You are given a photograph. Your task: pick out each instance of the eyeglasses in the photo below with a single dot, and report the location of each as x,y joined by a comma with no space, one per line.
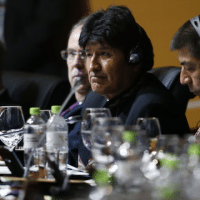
71,54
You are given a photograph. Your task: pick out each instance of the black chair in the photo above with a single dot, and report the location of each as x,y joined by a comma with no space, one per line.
170,76
36,90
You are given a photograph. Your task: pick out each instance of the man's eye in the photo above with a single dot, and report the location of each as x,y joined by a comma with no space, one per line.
71,53
88,54
190,69
104,54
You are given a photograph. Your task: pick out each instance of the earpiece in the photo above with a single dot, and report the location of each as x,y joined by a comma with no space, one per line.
196,24
135,56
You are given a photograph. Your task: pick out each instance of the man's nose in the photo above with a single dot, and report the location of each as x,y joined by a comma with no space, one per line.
94,64
184,77
79,62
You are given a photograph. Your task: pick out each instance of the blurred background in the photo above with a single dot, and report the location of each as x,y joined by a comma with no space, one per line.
161,19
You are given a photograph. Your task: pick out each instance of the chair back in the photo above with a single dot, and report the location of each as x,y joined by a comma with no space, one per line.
169,76
35,90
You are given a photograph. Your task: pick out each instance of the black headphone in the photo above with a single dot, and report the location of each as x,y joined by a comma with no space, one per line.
196,24
135,55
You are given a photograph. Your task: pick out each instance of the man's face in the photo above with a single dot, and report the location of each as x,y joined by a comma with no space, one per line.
108,72
75,62
190,71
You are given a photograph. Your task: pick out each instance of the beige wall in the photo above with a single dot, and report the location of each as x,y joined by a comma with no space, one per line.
161,19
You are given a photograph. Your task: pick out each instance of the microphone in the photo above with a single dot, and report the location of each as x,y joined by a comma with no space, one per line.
78,82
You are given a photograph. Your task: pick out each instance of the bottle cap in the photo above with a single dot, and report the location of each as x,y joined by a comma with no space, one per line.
129,136
103,177
55,109
170,161
34,111
194,149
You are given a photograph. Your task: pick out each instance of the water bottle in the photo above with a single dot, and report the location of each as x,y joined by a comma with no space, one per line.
57,140
168,184
34,128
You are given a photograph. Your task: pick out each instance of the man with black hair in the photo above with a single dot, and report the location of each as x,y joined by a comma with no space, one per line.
187,42
118,55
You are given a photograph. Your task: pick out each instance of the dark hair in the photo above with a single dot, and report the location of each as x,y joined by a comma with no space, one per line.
187,37
117,27
147,50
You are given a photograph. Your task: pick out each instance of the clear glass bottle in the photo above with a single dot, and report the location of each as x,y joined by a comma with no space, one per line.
57,139
168,184
34,128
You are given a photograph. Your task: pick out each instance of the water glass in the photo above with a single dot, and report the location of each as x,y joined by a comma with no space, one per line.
11,125
106,139
129,157
86,127
87,122
151,125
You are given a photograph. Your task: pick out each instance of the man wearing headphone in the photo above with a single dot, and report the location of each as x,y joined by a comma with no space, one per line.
118,55
187,42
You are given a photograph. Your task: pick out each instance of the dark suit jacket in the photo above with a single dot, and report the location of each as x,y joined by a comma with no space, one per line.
150,99
73,136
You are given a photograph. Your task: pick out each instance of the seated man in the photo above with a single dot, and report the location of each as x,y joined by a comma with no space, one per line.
187,42
74,57
118,56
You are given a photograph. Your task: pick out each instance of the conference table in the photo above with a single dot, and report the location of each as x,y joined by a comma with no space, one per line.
79,188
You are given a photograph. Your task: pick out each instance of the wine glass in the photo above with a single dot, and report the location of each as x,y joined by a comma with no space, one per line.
86,125
151,125
129,158
11,125
106,138
97,110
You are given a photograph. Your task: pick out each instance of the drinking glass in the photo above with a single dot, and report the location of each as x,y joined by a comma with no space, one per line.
170,144
87,122
11,125
97,110
106,139
151,125
86,127
129,157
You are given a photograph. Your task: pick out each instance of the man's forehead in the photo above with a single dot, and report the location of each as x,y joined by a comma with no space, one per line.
73,41
184,55
97,45
186,59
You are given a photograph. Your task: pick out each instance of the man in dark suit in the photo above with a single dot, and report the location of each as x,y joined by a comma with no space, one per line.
75,60
118,55
186,42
